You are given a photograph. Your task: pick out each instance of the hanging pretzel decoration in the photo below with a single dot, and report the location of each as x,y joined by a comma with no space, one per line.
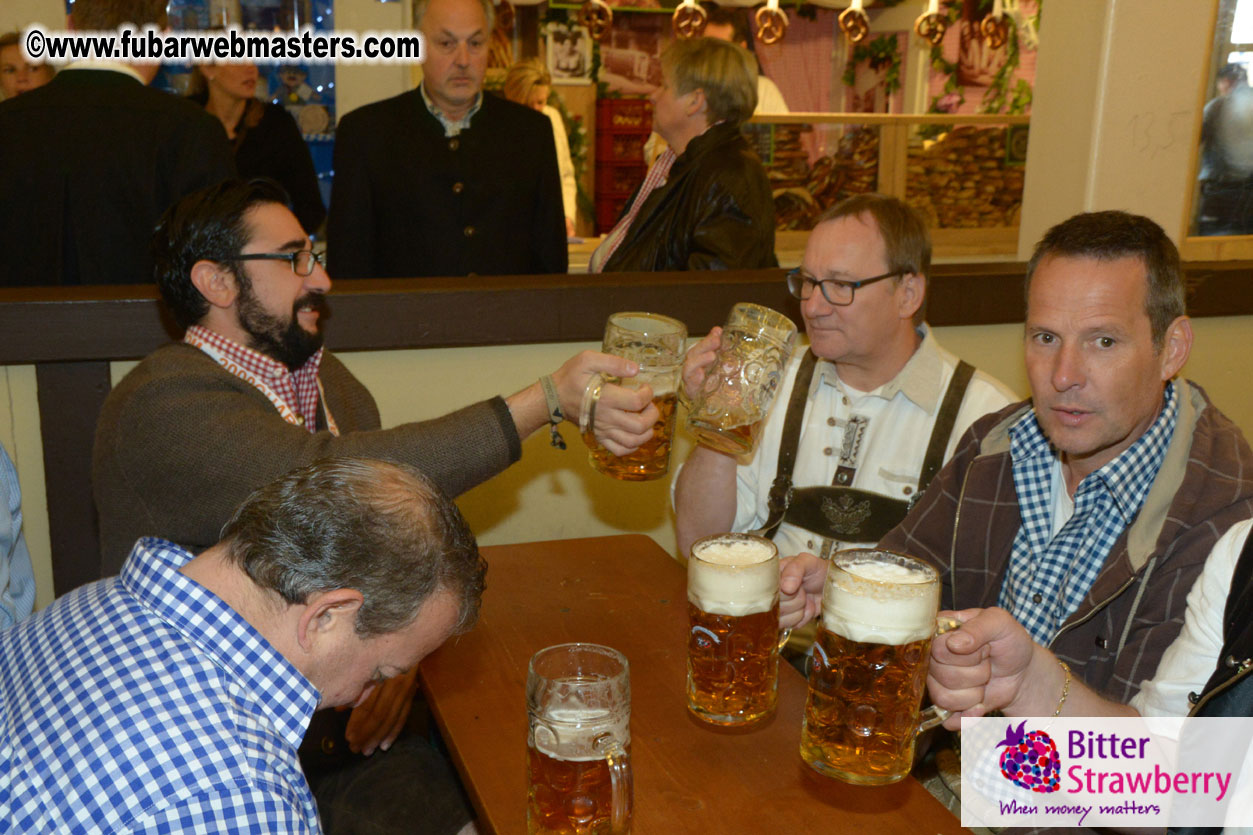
995,27
771,22
854,23
504,15
596,17
689,20
931,25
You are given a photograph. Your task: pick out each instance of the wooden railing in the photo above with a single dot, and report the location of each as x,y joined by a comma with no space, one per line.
71,335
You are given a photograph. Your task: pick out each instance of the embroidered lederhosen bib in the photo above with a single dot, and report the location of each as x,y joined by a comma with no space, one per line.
840,512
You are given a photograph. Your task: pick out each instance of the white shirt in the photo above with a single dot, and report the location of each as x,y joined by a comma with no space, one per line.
1189,662
565,166
769,99
895,422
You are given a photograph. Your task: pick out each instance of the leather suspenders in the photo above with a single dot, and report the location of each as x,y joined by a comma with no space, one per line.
846,513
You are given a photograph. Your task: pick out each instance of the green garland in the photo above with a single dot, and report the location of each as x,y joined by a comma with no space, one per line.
998,98
882,52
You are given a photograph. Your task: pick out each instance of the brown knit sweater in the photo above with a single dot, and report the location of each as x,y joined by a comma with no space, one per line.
966,522
181,442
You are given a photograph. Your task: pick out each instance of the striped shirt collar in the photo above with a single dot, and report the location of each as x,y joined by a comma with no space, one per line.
298,389
283,694
451,127
656,177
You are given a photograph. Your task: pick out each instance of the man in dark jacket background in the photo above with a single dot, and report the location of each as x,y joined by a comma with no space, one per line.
89,161
444,180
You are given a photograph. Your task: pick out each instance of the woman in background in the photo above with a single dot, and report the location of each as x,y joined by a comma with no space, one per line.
528,83
16,74
266,140
706,203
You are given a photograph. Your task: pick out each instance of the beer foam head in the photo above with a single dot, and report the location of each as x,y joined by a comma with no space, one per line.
880,598
733,574
570,733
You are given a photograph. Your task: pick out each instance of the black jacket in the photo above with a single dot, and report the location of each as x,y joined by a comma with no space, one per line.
408,201
273,147
88,163
715,212
1229,692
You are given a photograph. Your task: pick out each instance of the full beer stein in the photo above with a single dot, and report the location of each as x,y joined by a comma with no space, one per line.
733,645
727,413
578,699
869,667
656,343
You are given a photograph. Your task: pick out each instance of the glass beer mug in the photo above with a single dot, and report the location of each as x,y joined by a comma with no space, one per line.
726,414
734,641
869,667
656,343
578,700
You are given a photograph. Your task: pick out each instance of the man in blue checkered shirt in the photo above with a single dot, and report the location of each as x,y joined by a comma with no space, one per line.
1087,512
172,698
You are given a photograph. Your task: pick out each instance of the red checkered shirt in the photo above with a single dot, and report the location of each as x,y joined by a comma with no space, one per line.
654,179
298,389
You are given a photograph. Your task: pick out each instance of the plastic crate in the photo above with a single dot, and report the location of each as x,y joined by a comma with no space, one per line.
612,146
619,179
608,209
617,115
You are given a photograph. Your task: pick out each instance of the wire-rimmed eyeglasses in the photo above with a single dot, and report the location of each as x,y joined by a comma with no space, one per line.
301,261
840,293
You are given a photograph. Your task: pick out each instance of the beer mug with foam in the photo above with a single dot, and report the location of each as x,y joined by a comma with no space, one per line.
734,641
869,667
656,343
578,699
727,413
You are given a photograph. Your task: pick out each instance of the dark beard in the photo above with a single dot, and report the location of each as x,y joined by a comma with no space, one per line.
288,343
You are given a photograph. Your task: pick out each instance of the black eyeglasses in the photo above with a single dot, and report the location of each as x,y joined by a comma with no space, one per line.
840,293
301,262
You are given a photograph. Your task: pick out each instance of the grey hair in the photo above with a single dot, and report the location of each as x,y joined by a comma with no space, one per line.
419,12
380,528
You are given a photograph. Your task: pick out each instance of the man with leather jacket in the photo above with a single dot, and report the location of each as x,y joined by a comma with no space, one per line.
706,203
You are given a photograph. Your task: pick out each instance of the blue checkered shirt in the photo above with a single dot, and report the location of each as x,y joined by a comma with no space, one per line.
143,703
1049,576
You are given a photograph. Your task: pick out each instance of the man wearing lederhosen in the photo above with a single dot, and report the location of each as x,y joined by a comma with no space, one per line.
864,417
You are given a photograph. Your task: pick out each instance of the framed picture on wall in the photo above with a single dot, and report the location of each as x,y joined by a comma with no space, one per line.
569,50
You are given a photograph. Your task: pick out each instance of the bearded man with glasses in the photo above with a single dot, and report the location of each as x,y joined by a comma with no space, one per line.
249,394
864,417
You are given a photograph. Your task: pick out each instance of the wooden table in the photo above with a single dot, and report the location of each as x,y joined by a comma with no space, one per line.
627,593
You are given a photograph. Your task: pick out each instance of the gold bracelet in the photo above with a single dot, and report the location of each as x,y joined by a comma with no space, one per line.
1065,688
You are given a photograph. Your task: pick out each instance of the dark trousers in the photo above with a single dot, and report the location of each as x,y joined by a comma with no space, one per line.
411,788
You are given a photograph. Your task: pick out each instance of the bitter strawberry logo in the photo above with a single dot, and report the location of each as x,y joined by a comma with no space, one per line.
1030,759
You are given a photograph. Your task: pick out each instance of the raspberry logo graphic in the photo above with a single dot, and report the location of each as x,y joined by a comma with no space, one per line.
1030,759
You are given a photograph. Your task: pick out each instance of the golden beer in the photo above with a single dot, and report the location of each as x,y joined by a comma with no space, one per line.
650,461
578,700
732,665
737,391
569,797
862,712
733,440
869,666
733,639
655,342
